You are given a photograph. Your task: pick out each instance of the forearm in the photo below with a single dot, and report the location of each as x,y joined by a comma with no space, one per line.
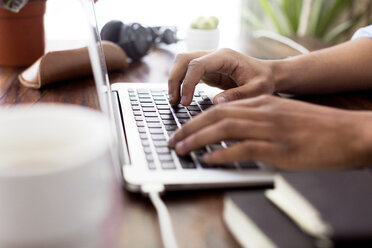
346,67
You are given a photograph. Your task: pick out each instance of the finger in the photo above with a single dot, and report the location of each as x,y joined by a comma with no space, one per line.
177,74
214,115
218,79
222,60
256,150
254,102
247,90
233,129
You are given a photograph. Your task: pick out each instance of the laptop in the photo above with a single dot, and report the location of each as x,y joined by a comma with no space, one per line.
143,120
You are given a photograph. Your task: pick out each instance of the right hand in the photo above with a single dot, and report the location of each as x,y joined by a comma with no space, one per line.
239,75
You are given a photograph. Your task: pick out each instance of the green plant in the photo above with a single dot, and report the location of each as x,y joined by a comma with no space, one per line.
205,23
323,19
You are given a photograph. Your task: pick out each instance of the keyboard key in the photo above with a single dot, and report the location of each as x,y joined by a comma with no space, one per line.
163,150
156,130
165,103
149,109
171,127
170,133
167,117
140,123
144,97
149,158
138,118
231,142
167,112
142,130
183,121
136,108
204,97
179,106
200,151
160,143
162,107
186,162
158,137
145,100
151,165
194,113
145,142
183,115
216,146
182,110
134,103
205,107
130,90
205,102
159,98
248,165
143,136
133,98
157,94
147,150
137,113
165,157
154,125
168,166
193,108
147,105
169,122
150,114
152,119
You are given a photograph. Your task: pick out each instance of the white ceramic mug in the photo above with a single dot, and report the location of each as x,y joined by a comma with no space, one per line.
56,177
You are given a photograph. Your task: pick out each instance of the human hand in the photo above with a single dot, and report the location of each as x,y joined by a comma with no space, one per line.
239,75
286,133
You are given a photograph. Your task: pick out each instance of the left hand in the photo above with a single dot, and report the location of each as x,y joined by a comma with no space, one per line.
286,133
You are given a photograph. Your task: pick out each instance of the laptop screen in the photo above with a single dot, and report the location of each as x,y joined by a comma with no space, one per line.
97,59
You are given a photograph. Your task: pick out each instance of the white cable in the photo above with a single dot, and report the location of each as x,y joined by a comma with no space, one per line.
167,233
281,39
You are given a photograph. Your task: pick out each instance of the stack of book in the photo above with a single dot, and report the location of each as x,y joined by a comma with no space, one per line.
305,209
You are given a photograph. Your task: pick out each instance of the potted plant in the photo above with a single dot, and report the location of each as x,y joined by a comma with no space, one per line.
326,20
22,39
203,34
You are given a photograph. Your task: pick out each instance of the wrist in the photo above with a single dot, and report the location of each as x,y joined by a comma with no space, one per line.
363,143
278,74
281,74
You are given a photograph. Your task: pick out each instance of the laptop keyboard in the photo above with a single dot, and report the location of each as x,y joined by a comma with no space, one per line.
156,121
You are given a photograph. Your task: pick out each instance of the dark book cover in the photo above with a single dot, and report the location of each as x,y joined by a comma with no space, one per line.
343,199
271,221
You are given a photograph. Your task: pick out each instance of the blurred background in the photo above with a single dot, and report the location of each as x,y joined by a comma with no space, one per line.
319,23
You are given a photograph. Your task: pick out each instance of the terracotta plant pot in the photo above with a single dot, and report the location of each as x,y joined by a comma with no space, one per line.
22,36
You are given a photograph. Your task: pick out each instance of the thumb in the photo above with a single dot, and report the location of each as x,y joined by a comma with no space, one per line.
237,93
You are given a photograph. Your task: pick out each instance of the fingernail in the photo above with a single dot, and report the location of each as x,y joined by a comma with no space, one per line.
180,147
171,141
207,157
170,97
221,99
183,100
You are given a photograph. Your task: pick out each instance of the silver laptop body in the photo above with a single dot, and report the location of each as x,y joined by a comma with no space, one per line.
141,151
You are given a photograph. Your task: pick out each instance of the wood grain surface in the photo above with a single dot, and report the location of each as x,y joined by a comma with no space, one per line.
196,215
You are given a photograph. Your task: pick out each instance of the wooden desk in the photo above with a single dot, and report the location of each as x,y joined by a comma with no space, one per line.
197,216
